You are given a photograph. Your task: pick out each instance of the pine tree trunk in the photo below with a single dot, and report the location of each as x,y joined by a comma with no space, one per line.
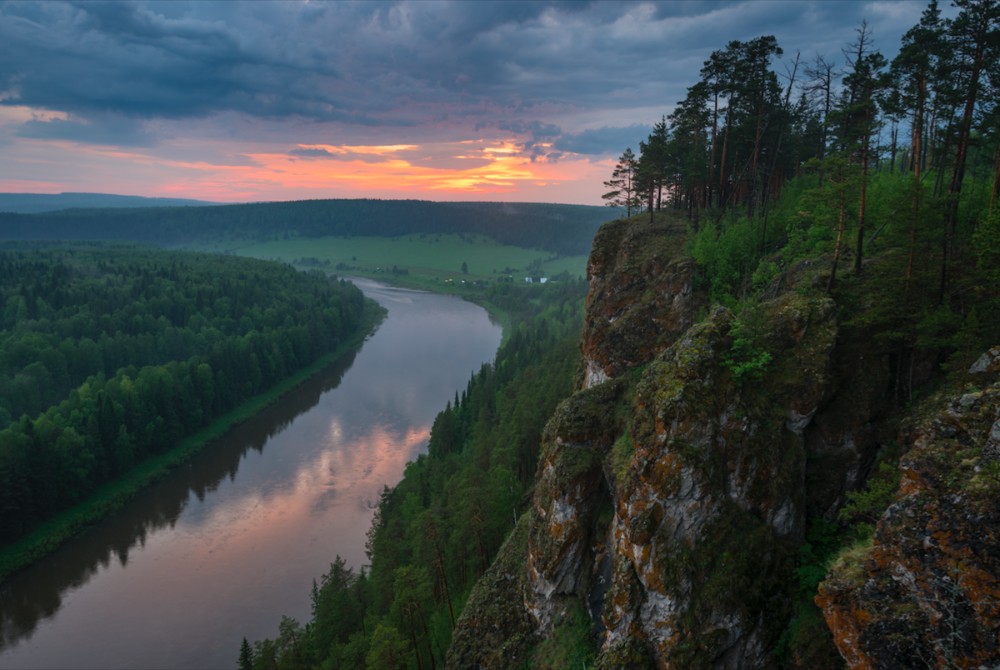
917,161
837,244
723,194
863,201
711,162
958,169
754,159
996,179
892,148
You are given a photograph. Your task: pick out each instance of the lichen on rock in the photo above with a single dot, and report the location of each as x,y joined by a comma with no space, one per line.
926,592
641,296
715,509
672,490
495,631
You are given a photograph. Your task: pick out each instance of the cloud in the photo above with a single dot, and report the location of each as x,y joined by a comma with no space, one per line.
604,141
537,137
550,81
397,64
311,153
104,130
537,130
93,58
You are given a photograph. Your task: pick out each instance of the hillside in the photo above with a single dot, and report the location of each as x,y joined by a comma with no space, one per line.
559,229
688,496
31,203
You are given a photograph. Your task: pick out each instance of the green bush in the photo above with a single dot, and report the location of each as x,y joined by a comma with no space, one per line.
747,358
865,506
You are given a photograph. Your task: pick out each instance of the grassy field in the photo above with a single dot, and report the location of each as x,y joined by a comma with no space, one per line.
424,257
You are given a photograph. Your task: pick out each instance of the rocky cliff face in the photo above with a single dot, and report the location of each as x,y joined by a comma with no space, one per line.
641,296
673,486
711,510
925,592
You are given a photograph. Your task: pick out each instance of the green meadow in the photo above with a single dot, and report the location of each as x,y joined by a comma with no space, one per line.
418,258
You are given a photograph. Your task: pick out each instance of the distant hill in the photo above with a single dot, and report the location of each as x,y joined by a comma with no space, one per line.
560,229
27,203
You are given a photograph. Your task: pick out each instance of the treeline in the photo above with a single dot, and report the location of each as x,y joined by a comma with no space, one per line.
49,202
561,229
438,530
929,120
110,354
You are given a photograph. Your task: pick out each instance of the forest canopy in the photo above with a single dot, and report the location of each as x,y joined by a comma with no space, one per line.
110,354
561,229
918,128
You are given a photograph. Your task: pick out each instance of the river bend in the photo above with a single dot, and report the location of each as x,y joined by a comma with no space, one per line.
226,545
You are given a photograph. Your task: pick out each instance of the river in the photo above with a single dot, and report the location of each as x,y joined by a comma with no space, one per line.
226,545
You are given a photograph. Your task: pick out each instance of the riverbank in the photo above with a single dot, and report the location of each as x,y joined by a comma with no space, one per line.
112,497
471,292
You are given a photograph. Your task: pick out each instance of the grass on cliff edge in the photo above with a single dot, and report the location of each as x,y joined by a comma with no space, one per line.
110,498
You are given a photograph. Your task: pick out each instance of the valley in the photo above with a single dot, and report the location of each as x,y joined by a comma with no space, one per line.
419,260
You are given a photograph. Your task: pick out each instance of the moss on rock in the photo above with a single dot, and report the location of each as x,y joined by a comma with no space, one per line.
495,630
925,592
642,295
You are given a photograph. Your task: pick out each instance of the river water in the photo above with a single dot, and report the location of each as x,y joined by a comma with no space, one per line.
226,545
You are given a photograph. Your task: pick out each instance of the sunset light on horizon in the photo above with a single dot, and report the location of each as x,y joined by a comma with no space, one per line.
236,102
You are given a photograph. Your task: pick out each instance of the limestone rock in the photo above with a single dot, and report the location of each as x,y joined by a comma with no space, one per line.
926,593
568,490
673,487
707,527
641,296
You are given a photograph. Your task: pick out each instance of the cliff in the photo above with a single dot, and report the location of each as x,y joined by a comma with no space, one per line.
925,591
674,487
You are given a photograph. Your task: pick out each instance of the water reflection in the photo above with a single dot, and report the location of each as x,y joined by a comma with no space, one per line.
37,593
227,544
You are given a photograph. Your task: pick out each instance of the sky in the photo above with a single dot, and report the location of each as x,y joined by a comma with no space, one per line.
263,101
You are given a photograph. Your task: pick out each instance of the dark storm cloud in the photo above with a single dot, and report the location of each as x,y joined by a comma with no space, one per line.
97,57
120,131
537,130
603,141
551,141
415,65
538,136
126,58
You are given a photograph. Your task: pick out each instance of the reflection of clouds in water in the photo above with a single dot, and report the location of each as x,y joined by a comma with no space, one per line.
325,500
413,369
381,456
335,433
241,550
265,515
338,480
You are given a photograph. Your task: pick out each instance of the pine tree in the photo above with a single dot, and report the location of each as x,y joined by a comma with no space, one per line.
653,164
622,184
974,38
912,73
246,656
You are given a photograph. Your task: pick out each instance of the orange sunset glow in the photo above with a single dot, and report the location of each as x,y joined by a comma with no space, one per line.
441,101
462,170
